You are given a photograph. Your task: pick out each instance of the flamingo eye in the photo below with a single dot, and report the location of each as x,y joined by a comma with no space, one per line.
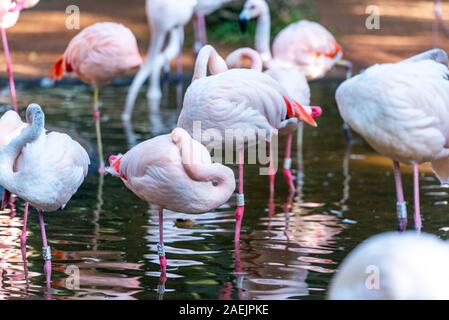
215,183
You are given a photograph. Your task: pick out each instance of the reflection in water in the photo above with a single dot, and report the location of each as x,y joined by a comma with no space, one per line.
108,235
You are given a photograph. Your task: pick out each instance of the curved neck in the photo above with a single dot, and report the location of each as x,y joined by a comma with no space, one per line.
9,154
196,168
263,31
236,58
208,58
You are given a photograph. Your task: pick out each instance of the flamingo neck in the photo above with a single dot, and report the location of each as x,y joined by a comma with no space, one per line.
9,154
263,31
208,59
236,59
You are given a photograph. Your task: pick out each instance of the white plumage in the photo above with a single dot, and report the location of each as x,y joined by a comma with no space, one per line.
401,110
394,266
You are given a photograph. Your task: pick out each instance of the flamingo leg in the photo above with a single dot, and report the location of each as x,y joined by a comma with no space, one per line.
401,206
161,253
46,250
288,163
240,199
200,32
417,216
9,69
97,116
23,236
272,170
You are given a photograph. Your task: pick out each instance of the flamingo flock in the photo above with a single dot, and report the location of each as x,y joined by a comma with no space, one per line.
399,108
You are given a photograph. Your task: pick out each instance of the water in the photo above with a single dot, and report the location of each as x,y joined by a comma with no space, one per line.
291,245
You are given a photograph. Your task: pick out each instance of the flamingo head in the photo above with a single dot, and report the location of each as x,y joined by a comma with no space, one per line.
251,10
114,170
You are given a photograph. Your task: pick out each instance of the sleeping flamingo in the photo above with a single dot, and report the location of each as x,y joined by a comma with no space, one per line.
203,9
304,45
295,83
392,266
9,14
176,173
166,18
45,170
97,55
235,106
401,111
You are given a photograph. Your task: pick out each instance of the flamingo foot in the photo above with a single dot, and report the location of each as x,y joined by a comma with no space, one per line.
289,177
102,169
96,115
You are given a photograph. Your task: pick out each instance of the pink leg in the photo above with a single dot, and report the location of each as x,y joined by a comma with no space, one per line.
417,217
202,29
161,253
288,163
23,236
179,73
240,198
272,171
8,200
9,70
401,206
46,250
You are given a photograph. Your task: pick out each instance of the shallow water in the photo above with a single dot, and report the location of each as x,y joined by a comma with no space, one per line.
291,245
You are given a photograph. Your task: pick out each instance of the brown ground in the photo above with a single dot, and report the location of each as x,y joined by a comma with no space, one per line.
406,28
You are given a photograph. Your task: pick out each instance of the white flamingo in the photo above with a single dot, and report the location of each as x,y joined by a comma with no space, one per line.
166,18
401,111
394,266
45,170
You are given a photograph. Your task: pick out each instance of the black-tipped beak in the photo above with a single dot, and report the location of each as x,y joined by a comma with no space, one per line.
243,22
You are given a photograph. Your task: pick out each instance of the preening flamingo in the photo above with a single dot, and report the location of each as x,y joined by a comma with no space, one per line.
166,18
97,55
203,9
235,106
401,111
394,266
174,172
45,170
297,87
304,45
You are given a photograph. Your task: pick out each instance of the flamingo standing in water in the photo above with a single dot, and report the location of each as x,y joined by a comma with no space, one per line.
203,9
166,18
45,170
393,266
401,111
304,45
295,83
244,102
97,55
174,172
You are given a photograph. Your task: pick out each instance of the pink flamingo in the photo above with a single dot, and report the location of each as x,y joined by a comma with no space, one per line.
203,9
97,55
174,172
243,102
400,109
304,45
166,19
45,170
295,83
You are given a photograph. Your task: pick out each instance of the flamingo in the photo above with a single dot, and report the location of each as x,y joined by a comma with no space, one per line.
304,45
439,20
242,102
45,170
97,55
295,83
166,18
203,9
392,266
400,110
174,172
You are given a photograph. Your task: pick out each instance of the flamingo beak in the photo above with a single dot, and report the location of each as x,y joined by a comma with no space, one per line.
303,115
243,22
